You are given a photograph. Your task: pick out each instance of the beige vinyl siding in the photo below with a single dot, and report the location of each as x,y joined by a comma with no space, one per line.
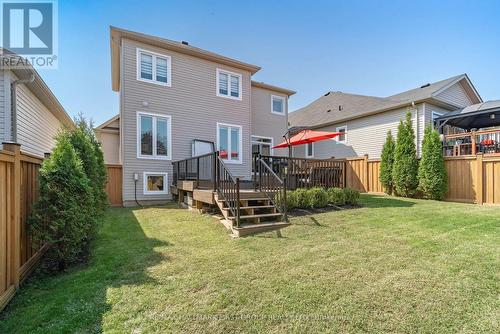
455,95
264,122
36,125
193,105
429,109
365,135
110,144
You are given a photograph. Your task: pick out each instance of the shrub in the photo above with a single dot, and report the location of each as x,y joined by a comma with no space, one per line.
89,151
387,162
405,169
317,198
291,200
351,196
336,196
432,172
62,216
302,198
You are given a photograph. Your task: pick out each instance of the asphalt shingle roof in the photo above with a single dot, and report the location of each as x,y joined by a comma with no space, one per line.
337,106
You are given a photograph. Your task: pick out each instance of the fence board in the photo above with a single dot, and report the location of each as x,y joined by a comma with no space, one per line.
18,192
114,185
355,173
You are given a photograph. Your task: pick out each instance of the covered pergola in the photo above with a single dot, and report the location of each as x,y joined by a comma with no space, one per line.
479,123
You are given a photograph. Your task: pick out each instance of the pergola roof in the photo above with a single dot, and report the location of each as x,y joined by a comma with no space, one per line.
476,116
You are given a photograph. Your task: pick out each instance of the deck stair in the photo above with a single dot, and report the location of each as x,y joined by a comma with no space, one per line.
257,214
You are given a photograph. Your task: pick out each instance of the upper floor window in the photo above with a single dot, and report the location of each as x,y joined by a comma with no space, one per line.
229,142
277,105
153,67
343,137
154,136
228,84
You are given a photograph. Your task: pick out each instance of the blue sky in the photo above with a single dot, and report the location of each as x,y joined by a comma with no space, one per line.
367,47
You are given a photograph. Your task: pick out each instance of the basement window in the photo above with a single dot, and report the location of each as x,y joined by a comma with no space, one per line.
155,183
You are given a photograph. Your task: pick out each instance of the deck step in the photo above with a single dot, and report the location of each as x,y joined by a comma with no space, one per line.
252,207
246,229
262,215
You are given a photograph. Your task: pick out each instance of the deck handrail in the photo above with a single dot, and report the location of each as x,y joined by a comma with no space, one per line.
471,143
228,188
273,187
304,172
196,169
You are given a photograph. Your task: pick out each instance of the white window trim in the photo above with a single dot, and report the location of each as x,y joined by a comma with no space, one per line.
310,155
240,88
154,55
169,129
239,161
145,183
345,134
283,105
263,137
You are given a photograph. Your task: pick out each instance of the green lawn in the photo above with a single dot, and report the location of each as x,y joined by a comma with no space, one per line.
395,265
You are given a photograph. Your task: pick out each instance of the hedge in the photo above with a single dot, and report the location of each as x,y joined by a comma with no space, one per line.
315,198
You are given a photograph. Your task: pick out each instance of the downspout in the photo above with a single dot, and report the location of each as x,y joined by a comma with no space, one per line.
13,92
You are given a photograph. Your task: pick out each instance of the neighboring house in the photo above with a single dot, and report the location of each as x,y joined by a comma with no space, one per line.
366,119
174,96
108,135
35,117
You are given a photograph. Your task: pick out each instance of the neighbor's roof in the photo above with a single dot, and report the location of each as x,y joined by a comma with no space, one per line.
273,88
107,123
116,34
475,116
325,110
41,91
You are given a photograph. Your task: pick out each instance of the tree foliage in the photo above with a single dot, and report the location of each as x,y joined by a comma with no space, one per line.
405,169
61,216
432,174
387,163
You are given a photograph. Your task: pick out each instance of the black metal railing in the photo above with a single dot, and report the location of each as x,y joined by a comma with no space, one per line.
272,186
304,173
200,169
228,189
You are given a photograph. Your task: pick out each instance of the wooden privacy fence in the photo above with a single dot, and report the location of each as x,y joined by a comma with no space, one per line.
471,179
18,192
114,185
363,174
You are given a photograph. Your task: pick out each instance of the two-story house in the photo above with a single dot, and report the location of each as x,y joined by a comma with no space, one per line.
177,101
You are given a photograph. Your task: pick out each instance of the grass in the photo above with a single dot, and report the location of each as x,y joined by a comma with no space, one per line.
398,265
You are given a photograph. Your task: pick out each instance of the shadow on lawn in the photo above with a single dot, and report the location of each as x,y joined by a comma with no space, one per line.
78,299
382,201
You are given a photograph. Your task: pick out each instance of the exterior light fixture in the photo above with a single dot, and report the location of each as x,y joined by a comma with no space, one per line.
492,116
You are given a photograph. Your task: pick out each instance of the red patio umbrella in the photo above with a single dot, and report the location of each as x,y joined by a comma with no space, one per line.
308,136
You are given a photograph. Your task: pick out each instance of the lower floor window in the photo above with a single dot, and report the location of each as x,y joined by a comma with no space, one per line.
155,183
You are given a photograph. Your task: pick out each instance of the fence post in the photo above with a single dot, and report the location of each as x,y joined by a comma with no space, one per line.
480,178
365,176
15,211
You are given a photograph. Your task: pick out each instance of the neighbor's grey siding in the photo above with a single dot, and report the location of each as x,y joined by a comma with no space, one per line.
365,135
36,125
429,109
264,122
191,102
455,95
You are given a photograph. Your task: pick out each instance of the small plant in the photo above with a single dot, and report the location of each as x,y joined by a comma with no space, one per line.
291,200
302,198
432,171
317,198
387,163
351,196
336,196
405,169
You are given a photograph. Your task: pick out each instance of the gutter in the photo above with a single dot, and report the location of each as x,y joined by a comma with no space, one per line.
13,92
